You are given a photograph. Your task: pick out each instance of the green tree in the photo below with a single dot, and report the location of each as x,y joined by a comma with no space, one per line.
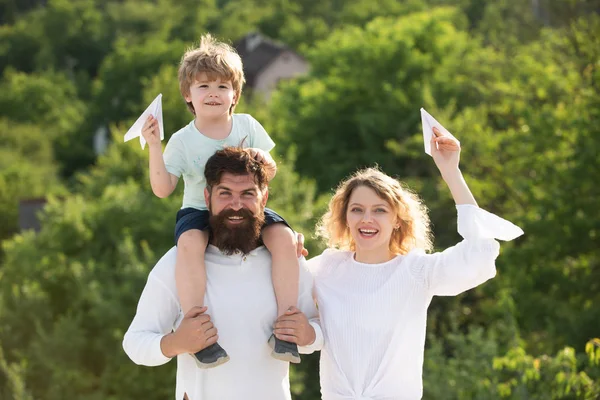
27,170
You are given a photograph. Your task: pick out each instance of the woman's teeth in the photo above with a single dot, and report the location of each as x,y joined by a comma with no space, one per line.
368,232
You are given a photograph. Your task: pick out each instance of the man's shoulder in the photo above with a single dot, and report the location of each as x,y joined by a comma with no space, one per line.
329,259
164,270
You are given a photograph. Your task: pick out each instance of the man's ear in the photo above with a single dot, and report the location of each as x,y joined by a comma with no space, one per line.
206,196
265,196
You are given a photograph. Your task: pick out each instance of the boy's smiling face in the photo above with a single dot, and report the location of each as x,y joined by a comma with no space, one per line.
211,98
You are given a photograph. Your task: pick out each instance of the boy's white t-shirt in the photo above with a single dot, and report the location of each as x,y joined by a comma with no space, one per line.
188,150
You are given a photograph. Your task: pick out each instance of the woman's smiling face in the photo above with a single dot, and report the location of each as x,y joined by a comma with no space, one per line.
371,221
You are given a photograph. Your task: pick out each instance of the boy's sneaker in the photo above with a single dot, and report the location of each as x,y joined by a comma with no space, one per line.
211,356
284,351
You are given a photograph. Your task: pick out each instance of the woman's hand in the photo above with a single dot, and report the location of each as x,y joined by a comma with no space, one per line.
445,151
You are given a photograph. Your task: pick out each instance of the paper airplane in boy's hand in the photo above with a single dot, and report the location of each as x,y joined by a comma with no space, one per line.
428,123
154,109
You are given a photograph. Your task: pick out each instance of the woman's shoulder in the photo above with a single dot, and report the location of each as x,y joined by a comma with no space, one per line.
329,259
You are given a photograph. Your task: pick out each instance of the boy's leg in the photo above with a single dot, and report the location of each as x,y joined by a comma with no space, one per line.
280,240
190,271
190,279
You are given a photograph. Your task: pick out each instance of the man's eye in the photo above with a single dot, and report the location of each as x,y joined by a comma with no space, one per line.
224,194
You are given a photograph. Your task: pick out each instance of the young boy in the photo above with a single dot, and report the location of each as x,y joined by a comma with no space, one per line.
210,80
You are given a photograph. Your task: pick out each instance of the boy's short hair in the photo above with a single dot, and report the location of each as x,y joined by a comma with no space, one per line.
217,60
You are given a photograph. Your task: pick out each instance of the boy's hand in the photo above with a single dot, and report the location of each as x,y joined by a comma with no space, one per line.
151,131
300,250
258,154
265,158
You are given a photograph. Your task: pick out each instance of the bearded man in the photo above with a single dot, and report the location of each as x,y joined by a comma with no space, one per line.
239,298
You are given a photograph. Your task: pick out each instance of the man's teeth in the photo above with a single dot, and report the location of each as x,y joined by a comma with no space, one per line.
236,217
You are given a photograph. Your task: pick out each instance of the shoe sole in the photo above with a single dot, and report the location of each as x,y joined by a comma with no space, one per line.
289,357
220,361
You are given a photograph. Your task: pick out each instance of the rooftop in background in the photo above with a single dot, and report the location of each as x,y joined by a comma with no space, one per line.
28,213
266,62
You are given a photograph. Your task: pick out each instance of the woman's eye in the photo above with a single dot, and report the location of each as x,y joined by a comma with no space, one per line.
355,209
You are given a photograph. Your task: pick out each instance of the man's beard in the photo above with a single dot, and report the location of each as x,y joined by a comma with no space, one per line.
230,238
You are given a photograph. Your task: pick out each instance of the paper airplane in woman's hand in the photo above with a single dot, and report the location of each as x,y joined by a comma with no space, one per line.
428,123
154,109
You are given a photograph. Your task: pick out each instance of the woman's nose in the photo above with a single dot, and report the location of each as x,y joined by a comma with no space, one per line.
367,216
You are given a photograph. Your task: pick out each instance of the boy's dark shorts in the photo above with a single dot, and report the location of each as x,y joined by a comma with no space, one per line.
192,218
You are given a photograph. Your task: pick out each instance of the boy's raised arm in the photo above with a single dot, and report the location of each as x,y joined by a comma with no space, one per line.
163,183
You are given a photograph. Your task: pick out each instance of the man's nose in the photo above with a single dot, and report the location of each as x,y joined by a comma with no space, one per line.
236,203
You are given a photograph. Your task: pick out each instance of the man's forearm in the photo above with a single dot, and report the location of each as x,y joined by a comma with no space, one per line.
168,345
160,178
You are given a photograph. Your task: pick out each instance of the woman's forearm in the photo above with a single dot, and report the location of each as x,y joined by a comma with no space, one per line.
458,187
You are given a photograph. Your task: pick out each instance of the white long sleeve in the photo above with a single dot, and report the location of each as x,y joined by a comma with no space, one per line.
242,306
151,322
472,261
373,316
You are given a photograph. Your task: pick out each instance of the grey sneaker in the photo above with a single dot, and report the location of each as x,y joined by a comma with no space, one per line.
212,356
284,351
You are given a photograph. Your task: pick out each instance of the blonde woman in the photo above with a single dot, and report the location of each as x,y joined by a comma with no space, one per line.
374,285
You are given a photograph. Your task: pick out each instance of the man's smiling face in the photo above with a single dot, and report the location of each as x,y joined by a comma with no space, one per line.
236,205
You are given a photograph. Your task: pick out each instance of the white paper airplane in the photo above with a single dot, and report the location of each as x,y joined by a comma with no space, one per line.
154,109
428,123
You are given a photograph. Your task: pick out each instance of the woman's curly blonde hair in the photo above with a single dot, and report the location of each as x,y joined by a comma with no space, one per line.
411,214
